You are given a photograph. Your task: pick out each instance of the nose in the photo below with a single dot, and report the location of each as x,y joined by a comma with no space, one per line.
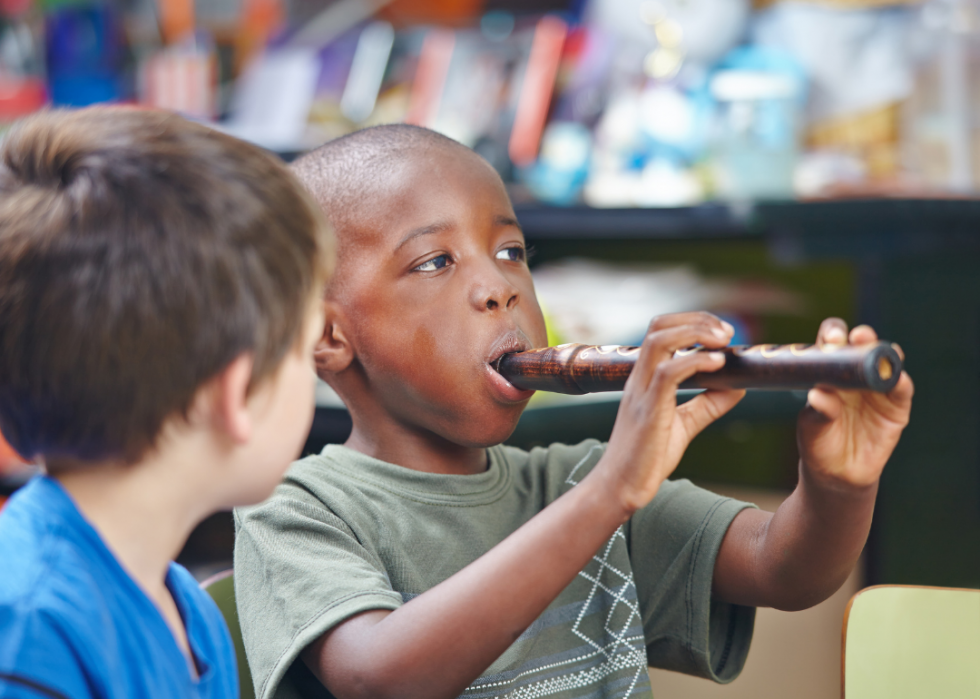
492,291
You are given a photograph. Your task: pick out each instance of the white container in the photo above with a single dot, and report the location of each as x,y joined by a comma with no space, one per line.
755,142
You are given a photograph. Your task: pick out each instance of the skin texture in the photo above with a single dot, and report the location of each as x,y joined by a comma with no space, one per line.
426,294
232,450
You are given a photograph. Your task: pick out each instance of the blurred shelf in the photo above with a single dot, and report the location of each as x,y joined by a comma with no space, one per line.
793,230
871,228
708,221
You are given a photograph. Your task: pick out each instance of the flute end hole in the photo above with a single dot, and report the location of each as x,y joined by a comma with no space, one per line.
885,369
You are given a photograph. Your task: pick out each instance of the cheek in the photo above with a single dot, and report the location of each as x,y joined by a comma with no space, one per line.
423,358
300,403
535,327
423,343
425,353
446,363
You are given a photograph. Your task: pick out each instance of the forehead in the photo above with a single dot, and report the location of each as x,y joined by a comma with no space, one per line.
427,186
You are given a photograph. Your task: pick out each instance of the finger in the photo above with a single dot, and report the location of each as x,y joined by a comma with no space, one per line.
702,410
902,394
827,403
898,348
670,373
862,335
833,331
672,320
660,345
894,406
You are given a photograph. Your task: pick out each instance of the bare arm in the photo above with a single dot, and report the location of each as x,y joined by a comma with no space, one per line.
438,643
802,554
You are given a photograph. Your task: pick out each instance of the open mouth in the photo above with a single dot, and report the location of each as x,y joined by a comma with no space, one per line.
509,344
495,364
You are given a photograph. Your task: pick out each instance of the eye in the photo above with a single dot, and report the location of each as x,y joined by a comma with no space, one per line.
513,254
433,265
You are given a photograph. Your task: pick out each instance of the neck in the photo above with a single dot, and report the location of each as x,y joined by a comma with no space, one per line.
414,448
143,512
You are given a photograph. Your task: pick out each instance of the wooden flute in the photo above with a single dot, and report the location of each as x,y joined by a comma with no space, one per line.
577,369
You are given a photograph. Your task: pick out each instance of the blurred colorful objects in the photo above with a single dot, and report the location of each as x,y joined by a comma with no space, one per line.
85,54
760,95
176,19
610,103
9,459
22,88
13,470
604,303
260,21
537,87
182,79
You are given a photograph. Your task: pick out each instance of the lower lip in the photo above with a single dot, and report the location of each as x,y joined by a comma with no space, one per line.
504,389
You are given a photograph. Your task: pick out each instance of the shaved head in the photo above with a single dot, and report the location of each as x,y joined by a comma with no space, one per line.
344,173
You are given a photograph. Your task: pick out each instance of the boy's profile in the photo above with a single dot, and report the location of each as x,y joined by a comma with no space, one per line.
424,559
159,300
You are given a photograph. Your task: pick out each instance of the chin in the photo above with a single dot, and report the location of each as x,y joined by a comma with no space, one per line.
249,496
252,487
487,433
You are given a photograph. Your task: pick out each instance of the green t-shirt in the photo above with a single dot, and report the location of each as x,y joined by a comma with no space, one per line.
345,533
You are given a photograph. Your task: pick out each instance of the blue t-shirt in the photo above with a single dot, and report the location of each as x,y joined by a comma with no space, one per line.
74,624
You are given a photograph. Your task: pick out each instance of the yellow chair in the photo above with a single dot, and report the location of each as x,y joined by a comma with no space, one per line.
909,642
221,587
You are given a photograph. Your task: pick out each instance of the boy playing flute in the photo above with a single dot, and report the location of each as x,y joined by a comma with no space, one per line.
424,559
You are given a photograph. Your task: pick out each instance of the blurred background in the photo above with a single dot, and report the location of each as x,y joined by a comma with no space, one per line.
610,103
773,161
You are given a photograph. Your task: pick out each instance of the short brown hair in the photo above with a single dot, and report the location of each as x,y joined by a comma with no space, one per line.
139,254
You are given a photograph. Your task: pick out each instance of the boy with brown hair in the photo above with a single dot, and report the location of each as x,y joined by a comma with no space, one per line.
159,301
424,559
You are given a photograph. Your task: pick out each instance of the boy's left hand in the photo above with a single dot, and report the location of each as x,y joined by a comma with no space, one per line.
800,555
845,437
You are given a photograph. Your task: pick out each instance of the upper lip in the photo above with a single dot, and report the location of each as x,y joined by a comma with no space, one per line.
512,341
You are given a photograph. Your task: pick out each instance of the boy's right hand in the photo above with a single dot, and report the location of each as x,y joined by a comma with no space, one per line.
651,430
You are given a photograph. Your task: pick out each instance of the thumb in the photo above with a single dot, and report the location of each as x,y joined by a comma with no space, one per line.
701,411
827,404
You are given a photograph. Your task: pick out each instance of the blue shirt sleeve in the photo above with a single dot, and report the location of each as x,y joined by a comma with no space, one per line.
38,660
13,686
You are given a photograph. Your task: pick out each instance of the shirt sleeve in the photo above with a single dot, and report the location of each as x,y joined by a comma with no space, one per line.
16,686
673,543
38,659
299,571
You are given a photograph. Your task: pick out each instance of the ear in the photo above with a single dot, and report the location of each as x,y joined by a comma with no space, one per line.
333,352
230,398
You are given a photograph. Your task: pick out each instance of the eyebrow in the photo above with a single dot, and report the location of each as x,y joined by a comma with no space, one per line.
445,226
424,230
508,221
